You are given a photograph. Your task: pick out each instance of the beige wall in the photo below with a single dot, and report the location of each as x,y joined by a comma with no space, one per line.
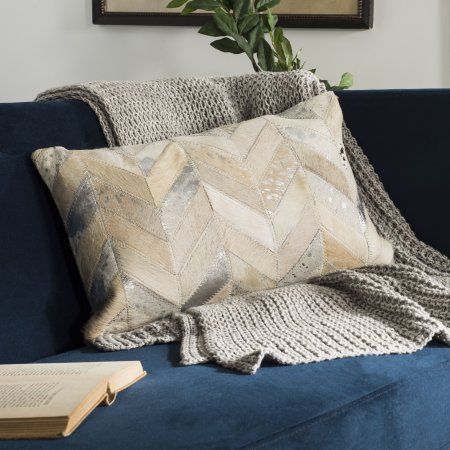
45,43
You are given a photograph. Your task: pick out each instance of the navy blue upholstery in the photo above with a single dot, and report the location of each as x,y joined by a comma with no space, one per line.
42,302
394,402
406,135
386,402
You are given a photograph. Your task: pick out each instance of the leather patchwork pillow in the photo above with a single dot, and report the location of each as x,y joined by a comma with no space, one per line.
159,228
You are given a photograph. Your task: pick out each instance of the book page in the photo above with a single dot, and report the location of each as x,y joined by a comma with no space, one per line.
34,399
118,374
27,395
61,370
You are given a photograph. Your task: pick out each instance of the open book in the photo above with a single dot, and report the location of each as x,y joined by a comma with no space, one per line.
51,400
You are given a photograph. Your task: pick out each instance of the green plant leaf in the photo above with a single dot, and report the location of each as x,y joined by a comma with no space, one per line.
247,23
296,64
237,7
176,3
327,84
225,22
205,5
272,20
346,81
278,67
278,37
269,27
255,36
227,45
265,56
287,51
211,29
228,4
278,34
241,8
242,42
263,5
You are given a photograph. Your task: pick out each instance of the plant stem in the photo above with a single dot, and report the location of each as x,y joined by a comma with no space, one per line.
256,68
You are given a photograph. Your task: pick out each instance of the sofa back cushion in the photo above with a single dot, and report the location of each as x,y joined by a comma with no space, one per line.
405,135
42,302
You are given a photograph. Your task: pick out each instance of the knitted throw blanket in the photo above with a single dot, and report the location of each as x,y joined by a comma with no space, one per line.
368,311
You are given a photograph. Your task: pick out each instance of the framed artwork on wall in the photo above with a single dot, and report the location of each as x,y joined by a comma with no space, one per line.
292,13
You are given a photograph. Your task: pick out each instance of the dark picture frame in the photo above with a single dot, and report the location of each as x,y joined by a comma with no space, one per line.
362,20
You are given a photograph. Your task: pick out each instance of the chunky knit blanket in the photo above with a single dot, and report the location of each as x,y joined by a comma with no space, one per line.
368,311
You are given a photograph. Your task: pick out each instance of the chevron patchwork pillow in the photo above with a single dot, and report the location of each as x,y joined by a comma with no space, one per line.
159,228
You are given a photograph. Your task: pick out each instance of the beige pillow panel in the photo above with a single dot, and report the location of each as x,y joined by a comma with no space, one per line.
159,228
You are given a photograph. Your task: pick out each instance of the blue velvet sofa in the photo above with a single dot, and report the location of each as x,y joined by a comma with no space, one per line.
385,402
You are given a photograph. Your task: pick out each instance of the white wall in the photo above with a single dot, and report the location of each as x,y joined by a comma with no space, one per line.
46,43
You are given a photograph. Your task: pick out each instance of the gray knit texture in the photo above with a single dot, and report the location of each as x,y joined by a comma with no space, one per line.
369,311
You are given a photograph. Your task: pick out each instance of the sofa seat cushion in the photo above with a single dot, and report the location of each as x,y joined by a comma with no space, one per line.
382,402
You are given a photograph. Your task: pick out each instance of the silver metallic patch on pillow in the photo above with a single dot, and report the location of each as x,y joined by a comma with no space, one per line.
216,278
362,215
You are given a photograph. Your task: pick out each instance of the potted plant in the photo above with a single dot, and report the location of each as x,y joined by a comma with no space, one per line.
250,27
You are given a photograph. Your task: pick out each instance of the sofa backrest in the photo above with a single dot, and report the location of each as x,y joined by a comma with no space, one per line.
42,302
406,136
